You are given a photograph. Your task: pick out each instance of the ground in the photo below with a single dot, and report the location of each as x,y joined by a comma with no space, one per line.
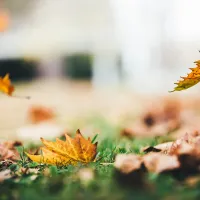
95,112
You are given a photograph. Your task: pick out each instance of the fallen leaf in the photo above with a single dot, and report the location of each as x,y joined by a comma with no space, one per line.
71,151
8,151
127,163
151,149
5,85
130,171
192,79
159,162
163,147
39,114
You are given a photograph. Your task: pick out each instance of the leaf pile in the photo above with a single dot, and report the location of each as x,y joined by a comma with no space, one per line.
71,151
160,118
179,157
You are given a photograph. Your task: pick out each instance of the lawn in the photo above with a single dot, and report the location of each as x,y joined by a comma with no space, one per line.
98,180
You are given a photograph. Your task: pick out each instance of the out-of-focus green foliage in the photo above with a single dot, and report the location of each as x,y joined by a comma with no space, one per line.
18,69
78,66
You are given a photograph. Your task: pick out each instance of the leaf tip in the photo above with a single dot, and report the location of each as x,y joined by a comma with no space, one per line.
96,143
78,132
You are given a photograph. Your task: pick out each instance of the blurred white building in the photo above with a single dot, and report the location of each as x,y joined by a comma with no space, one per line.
157,40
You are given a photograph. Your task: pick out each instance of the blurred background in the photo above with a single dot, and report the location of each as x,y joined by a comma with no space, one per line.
91,57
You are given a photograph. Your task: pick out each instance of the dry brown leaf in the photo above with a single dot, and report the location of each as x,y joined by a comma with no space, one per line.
127,163
180,158
8,151
163,147
158,120
130,171
71,151
39,114
159,162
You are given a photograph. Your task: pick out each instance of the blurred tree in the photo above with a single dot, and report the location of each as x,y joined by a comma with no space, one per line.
78,66
18,69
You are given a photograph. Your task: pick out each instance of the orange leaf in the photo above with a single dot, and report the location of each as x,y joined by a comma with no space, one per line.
70,151
6,86
192,78
39,114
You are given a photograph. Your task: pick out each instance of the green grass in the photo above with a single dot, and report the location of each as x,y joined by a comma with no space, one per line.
54,183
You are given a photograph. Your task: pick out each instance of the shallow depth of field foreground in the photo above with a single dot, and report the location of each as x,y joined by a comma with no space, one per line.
148,147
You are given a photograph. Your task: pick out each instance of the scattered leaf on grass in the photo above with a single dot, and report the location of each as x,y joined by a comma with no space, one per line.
180,158
8,151
127,163
71,151
129,171
158,163
163,147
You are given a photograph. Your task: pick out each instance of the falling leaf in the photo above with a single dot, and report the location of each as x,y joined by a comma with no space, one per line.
70,151
5,85
192,79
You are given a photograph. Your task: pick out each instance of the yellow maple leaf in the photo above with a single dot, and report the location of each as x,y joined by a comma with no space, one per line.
70,151
5,85
192,78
